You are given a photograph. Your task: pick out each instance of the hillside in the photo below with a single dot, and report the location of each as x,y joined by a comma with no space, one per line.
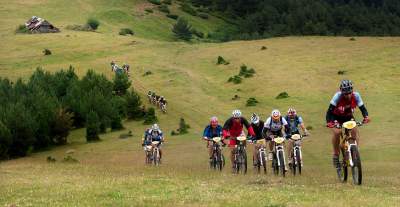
112,172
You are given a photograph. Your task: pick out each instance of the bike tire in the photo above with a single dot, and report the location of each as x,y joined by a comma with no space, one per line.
264,162
343,170
356,170
275,166
156,158
244,164
282,164
294,165
219,161
299,161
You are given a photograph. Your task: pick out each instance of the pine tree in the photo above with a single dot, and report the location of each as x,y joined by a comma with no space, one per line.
92,127
182,30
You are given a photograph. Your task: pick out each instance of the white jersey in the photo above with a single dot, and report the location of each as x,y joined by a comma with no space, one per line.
275,126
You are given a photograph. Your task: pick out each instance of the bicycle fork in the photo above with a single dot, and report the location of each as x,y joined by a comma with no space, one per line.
349,152
297,148
261,153
280,149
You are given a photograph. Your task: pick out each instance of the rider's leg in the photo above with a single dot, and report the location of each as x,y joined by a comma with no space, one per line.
271,148
210,149
355,133
233,156
290,151
255,154
336,148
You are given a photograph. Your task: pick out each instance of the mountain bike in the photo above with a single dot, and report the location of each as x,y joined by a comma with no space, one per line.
163,107
261,160
240,156
156,153
218,159
148,149
297,159
350,154
278,161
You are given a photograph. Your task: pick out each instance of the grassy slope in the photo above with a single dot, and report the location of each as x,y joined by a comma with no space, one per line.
111,172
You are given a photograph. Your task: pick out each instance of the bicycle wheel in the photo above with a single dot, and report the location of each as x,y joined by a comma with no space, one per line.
342,170
156,157
219,161
244,162
299,161
263,162
282,163
356,169
275,166
293,167
148,157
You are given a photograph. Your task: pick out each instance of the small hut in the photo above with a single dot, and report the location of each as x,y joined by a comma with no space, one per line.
39,25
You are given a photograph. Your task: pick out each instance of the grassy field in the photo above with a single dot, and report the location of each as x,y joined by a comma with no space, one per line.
112,172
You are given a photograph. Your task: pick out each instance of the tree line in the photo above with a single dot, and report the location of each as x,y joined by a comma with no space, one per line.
39,113
268,18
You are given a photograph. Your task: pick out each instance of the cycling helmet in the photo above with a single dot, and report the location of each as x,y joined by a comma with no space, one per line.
291,112
255,119
346,86
214,120
236,113
155,127
276,114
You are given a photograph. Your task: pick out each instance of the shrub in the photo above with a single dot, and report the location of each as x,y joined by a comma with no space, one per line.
121,83
341,72
69,159
263,48
235,97
22,29
197,33
46,51
352,39
61,126
247,73
149,10
150,117
251,101
51,159
5,141
203,15
92,127
169,2
126,31
221,60
116,123
188,9
163,8
156,2
282,95
183,127
235,79
172,16
93,23
181,30
134,111
147,73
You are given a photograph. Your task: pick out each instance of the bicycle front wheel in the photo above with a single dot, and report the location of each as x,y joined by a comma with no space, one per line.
356,168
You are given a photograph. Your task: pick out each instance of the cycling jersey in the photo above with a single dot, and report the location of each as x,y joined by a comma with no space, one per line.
210,133
342,109
293,124
258,130
234,129
150,136
275,126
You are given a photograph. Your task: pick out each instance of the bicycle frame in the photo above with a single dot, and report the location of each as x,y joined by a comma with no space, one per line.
278,147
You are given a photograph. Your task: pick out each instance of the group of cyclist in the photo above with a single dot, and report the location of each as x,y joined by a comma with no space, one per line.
340,110
275,125
157,100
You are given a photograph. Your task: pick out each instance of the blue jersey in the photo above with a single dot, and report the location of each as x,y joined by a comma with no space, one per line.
294,124
210,133
150,136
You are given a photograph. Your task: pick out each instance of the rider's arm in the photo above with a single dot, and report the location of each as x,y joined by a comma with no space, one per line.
329,114
227,126
249,128
206,133
285,127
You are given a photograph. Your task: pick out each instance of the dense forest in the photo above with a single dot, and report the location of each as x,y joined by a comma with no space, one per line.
265,18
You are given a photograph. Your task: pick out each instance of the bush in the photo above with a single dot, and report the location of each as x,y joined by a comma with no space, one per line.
251,101
149,10
188,9
169,2
46,52
5,141
247,73
22,29
235,79
61,126
235,97
197,33
69,159
352,39
93,23
150,117
172,16
51,159
221,60
283,95
126,31
92,127
341,72
156,2
173,133
163,8
116,123
183,127
134,111
181,30
203,15
263,48
121,83
147,73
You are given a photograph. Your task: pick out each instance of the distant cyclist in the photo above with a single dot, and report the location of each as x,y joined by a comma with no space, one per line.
341,109
275,125
257,126
233,128
295,122
212,130
153,134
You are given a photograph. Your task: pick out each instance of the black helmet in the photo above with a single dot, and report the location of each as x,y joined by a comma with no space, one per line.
346,86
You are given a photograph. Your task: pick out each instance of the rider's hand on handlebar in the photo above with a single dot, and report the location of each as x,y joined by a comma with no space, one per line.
366,120
330,124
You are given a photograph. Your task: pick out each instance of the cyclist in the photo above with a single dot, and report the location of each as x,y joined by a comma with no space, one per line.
212,130
153,134
233,128
275,125
341,109
294,121
149,95
257,126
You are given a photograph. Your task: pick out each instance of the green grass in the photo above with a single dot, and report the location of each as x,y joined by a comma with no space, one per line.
112,172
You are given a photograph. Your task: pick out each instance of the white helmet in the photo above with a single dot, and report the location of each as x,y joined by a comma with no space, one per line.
155,127
236,113
276,114
255,118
